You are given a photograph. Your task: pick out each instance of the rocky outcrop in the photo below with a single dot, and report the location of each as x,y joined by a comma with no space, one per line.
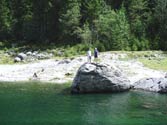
152,84
99,78
32,56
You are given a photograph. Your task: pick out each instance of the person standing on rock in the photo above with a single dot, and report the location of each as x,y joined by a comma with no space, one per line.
89,55
96,52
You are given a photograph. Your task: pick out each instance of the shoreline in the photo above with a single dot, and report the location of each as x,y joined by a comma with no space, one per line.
64,70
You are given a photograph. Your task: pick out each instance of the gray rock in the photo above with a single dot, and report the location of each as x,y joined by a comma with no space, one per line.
35,53
60,53
17,59
152,84
42,56
51,55
79,59
166,75
22,56
99,78
11,53
29,53
65,61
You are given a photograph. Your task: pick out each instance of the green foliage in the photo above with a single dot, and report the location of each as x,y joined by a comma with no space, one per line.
85,34
69,20
5,59
81,48
138,14
113,30
100,46
106,24
91,9
161,21
5,20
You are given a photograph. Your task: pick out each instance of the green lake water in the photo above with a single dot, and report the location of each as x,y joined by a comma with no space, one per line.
51,104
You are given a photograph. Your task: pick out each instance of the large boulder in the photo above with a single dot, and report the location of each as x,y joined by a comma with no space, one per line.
99,78
152,84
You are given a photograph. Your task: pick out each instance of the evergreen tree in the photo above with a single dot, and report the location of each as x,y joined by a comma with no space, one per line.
115,4
113,30
21,12
90,14
161,21
5,20
70,21
85,34
138,15
41,20
112,24
54,30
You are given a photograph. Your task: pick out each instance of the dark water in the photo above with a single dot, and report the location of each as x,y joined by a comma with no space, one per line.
49,104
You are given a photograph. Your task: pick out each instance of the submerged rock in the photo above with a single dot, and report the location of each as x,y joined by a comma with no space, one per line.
99,78
152,84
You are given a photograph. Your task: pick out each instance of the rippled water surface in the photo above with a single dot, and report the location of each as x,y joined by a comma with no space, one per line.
50,104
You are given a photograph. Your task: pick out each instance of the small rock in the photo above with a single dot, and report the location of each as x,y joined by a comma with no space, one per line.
29,53
72,58
146,56
22,56
41,56
42,70
51,55
68,74
80,59
35,53
17,59
60,53
11,53
66,61
35,75
166,75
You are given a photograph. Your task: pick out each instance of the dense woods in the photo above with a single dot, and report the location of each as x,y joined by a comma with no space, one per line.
106,24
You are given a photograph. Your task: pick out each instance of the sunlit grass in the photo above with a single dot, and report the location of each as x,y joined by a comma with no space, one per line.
156,64
6,60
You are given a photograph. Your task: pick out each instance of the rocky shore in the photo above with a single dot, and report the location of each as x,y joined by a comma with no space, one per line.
64,70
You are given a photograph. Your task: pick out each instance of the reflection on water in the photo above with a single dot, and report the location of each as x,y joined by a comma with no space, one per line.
36,104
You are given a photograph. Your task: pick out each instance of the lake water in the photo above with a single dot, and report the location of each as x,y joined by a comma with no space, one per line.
50,104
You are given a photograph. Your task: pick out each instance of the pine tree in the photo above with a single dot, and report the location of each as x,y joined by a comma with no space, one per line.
70,21
21,13
91,9
138,15
41,11
5,20
113,30
161,21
